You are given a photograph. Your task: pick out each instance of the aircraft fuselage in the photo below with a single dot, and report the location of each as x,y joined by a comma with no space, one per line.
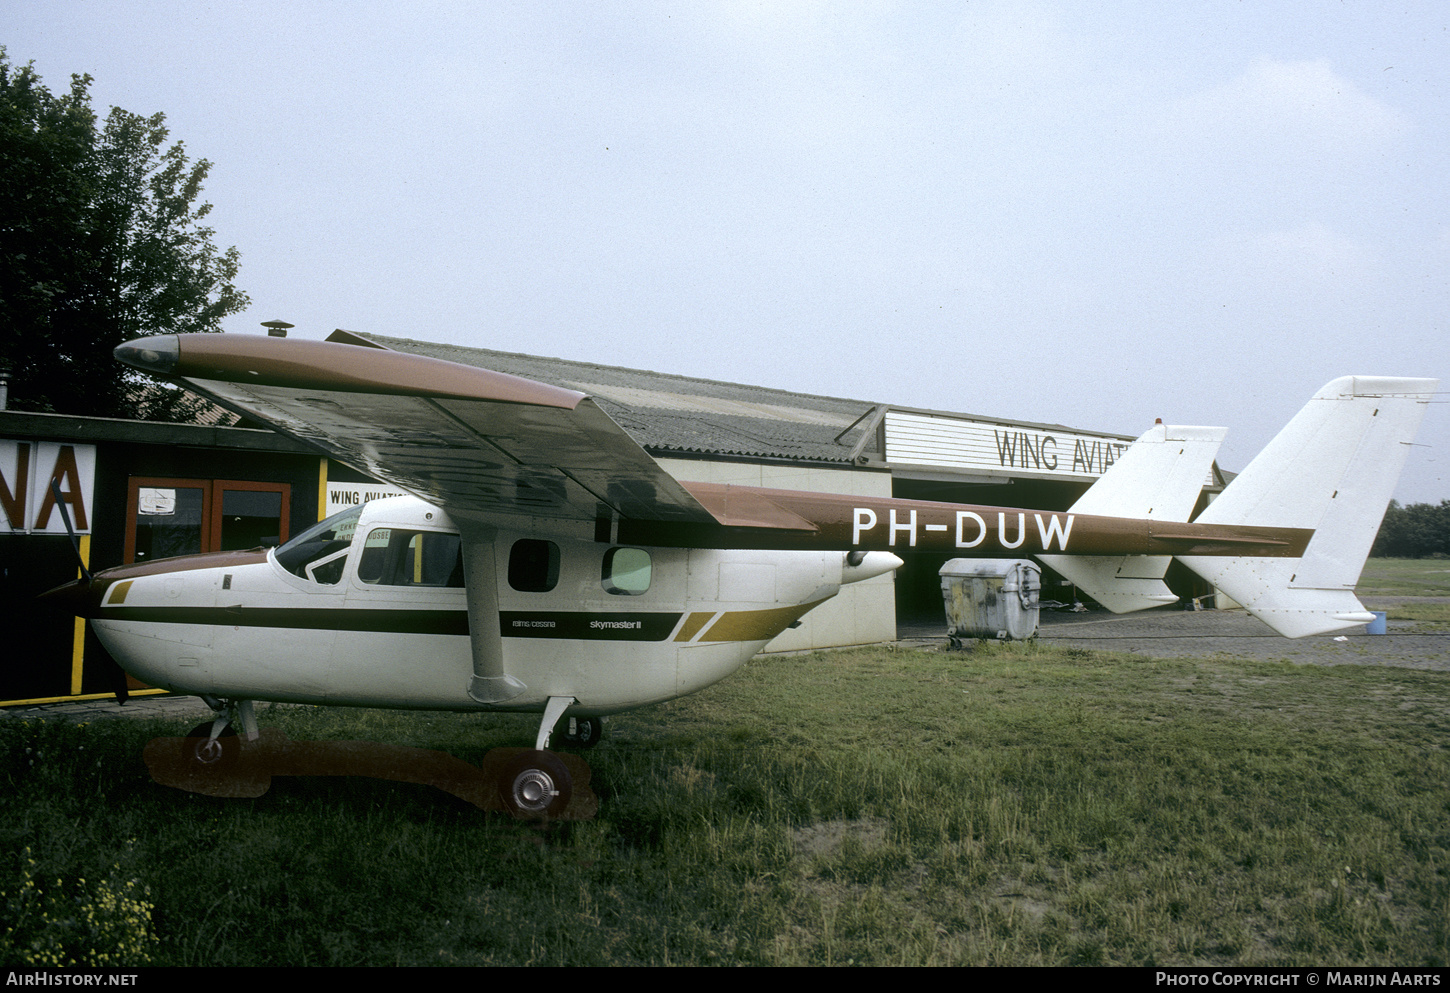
372,611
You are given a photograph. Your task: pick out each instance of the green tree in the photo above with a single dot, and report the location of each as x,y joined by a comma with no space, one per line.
101,240
1416,531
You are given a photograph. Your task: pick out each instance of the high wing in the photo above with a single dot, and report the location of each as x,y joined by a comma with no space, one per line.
485,445
477,442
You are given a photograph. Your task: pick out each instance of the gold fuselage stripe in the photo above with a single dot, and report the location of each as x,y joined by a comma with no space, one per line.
693,624
756,625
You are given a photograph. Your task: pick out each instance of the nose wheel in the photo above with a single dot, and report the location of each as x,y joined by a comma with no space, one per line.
200,750
536,786
214,745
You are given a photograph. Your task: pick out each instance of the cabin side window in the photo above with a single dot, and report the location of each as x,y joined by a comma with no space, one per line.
533,565
319,553
402,557
626,571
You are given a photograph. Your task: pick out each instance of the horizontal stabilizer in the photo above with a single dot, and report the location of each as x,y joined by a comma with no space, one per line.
1159,477
1332,469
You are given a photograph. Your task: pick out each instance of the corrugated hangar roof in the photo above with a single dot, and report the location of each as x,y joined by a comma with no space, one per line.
685,416
668,413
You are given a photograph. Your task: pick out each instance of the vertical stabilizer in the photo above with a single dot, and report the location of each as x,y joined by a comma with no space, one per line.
1333,469
1159,477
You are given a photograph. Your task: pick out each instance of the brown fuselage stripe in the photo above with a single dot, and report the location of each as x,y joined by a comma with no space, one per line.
734,625
580,625
299,618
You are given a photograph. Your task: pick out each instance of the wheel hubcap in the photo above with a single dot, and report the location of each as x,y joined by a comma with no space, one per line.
209,751
534,790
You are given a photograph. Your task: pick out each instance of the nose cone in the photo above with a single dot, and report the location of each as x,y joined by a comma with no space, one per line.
856,566
81,597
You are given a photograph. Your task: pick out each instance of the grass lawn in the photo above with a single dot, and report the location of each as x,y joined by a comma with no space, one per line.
1409,578
1017,805
1405,577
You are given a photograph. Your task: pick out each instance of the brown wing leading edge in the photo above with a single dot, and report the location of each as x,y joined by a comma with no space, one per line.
473,441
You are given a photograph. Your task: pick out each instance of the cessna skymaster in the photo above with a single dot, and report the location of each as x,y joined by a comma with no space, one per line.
548,564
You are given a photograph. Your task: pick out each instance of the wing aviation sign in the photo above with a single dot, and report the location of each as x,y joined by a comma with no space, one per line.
27,500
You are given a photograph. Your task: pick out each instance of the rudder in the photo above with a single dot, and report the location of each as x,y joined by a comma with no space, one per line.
1332,469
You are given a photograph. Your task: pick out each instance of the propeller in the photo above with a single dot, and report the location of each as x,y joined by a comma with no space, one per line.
65,519
119,678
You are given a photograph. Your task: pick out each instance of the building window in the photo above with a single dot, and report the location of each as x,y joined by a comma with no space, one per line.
169,521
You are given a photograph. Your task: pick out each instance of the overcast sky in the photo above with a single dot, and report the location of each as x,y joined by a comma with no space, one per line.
1079,213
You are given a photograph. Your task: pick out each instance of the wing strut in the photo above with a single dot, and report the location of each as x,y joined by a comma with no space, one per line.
490,683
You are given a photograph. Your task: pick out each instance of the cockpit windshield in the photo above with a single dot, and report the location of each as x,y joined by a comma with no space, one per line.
319,553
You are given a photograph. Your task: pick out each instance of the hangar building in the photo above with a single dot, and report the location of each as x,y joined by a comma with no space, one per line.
136,489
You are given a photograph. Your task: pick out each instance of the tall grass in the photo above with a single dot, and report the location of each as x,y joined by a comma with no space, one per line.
1018,804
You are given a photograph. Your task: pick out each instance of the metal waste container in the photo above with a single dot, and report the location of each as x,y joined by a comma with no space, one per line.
991,598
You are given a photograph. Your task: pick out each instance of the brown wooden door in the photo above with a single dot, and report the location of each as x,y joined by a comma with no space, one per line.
167,517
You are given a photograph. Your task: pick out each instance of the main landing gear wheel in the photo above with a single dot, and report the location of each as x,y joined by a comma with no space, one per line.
203,751
536,786
584,732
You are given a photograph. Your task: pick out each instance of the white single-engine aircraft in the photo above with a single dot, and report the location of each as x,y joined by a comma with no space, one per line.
549,564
